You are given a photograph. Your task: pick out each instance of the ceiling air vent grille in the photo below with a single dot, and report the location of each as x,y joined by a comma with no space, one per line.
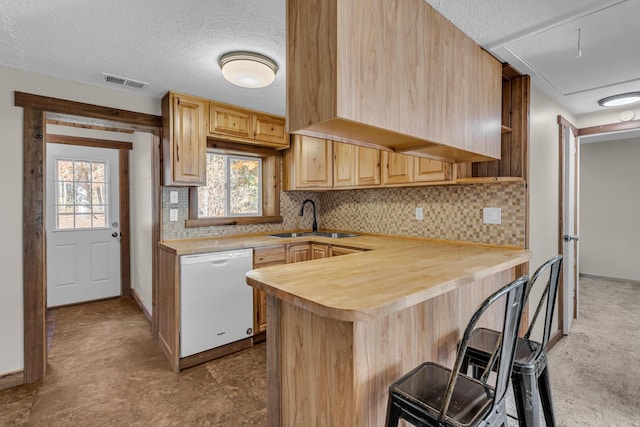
123,81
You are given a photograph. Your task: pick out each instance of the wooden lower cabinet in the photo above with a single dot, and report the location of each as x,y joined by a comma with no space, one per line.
264,257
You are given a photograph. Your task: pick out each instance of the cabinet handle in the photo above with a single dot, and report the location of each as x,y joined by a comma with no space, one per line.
177,153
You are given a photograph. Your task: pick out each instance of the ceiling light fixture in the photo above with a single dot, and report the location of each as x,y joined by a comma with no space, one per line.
620,99
248,69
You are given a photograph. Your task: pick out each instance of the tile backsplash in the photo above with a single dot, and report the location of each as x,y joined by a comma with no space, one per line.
450,212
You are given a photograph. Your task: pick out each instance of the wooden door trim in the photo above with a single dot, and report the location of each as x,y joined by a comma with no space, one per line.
33,234
89,142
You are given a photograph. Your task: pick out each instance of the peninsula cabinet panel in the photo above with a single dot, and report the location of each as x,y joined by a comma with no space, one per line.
309,164
184,140
169,307
399,76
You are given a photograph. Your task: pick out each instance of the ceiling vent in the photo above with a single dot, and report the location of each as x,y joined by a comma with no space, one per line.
123,81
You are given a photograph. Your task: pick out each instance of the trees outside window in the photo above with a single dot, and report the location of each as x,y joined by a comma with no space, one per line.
234,187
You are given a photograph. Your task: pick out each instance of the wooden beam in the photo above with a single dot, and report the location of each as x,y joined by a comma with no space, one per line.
89,142
612,127
109,116
33,244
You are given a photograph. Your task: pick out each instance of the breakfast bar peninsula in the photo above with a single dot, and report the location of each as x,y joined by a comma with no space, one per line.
340,330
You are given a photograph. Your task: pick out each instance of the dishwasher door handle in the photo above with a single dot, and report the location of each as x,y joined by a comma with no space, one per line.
219,262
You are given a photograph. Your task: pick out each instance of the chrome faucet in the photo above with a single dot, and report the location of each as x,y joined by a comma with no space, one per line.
314,227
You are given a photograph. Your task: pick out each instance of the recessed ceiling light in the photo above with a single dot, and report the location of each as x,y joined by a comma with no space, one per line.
620,99
248,69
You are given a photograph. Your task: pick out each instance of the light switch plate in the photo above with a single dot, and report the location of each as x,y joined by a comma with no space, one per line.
420,214
492,215
173,196
173,215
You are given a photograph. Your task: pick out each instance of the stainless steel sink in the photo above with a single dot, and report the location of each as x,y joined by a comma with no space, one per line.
317,233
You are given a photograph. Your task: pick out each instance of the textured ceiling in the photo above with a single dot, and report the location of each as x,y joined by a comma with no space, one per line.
175,45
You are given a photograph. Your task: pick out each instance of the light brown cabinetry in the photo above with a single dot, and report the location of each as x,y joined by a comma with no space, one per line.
355,166
299,252
308,164
404,169
184,140
264,257
250,127
433,90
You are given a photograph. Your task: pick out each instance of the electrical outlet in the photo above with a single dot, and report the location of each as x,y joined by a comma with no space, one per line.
492,215
173,197
420,214
173,215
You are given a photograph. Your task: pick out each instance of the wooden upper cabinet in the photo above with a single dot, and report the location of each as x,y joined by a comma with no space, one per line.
398,168
271,129
404,169
246,126
428,170
184,140
231,122
368,173
308,164
344,165
402,77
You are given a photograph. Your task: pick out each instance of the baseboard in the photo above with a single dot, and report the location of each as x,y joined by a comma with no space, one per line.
609,279
138,301
12,379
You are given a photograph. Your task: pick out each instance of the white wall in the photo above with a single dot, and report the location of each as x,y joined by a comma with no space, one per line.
141,213
543,182
609,207
11,79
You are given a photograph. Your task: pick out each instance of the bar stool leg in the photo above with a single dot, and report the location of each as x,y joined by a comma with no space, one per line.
545,395
525,392
393,414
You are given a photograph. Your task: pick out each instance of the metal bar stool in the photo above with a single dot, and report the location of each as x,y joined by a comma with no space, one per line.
433,395
530,374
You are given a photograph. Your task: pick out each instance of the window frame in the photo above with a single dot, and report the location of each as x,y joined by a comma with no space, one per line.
270,197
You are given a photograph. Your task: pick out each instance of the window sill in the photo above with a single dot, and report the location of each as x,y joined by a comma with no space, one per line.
240,220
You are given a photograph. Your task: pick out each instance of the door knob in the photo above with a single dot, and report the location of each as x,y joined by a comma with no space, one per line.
114,234
568,238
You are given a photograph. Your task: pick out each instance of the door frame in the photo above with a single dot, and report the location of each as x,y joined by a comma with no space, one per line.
577,132
123,190
36,109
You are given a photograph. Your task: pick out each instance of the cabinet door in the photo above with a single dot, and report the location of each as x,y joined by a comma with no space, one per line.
368,166
398,168
319,250
264,257
230,122
344,165
426,170
188,141
271,130
312,162
298,253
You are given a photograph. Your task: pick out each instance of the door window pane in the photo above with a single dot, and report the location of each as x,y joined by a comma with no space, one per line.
81,194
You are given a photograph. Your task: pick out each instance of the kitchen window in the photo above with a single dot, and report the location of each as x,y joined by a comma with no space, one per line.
242,187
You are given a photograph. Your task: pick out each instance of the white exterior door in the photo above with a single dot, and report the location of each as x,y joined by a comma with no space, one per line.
570,231
83,205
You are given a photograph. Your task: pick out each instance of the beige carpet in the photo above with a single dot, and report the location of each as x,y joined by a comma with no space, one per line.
595,370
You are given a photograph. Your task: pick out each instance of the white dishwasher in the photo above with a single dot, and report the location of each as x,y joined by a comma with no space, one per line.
216,304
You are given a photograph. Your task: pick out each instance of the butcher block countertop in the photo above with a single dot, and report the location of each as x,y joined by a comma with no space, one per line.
393,274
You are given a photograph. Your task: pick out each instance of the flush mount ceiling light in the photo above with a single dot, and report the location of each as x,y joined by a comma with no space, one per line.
620,99
248,69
